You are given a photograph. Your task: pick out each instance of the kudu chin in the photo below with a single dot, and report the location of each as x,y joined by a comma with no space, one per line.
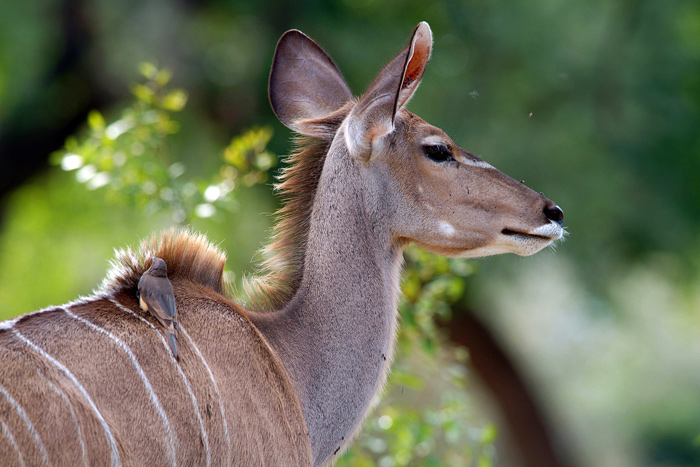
289,380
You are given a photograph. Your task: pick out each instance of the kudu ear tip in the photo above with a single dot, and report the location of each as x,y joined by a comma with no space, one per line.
290,40
292,34
423,28
424,35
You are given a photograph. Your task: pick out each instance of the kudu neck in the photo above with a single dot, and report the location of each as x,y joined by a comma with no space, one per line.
336,335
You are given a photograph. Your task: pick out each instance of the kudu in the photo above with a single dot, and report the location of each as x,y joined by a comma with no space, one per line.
289,381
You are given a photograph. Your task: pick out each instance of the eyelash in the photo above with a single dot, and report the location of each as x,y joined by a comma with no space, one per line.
438,152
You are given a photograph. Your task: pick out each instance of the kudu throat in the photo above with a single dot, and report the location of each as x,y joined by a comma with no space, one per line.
336,334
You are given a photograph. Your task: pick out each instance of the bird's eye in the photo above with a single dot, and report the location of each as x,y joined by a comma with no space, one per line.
438,152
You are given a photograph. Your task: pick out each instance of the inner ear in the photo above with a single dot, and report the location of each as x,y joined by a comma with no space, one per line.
416,62
416,65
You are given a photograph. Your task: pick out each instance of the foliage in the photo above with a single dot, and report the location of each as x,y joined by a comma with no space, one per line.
129,158
129,162
431,284
404,431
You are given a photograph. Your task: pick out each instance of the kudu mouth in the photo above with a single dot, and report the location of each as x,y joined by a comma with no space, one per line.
552,231
515,233
531,241
526,243
548,232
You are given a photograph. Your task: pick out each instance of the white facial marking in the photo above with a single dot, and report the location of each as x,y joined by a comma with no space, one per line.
436,140
432,140
524,244
472,163
553,230
112,442
30,426
487,251
149,389
446,228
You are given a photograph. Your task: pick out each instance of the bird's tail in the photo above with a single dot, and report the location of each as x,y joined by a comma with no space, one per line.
173,343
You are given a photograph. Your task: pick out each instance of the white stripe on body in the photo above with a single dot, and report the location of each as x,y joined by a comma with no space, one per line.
116,461
30,426
75,419
142,375
10,323
216,387
8,434
182,374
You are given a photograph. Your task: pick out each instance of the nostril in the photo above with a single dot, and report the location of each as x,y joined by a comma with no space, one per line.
554,213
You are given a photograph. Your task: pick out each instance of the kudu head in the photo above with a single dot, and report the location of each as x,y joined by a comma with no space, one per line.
418,184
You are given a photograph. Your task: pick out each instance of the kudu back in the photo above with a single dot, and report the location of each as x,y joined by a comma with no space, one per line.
289,380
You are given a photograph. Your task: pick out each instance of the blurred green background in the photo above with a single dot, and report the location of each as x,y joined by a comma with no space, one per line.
595,103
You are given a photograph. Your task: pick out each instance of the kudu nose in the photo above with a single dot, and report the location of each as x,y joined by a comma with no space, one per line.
554,212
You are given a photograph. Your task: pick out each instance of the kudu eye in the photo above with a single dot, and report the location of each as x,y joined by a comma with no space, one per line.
438,152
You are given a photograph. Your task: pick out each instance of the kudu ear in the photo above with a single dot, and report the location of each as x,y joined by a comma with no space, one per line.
305,84
373,116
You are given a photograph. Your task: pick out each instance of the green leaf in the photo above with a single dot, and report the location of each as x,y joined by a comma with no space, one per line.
488,435
95,120
162,77
175,100
148,70
407,380
143,93
485,461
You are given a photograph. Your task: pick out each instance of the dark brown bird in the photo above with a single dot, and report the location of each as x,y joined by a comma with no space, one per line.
156,296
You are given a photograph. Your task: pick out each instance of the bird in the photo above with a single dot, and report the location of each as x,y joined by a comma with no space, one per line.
157,297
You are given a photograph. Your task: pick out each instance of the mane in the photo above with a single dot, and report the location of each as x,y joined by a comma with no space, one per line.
192,256
187,254
281,270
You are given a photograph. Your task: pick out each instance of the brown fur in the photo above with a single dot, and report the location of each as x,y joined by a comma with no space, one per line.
250,379
187,254
259,401
280,272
